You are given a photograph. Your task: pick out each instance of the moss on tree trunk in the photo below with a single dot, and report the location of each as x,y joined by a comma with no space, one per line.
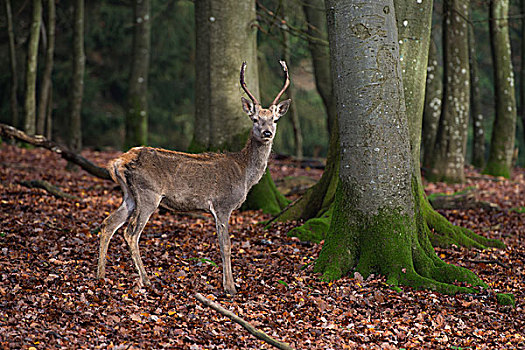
378,224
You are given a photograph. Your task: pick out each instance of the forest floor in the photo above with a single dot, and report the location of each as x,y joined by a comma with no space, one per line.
49,297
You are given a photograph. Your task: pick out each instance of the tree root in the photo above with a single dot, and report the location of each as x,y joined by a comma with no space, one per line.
251,329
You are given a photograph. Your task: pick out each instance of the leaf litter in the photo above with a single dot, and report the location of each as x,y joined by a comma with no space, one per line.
50,299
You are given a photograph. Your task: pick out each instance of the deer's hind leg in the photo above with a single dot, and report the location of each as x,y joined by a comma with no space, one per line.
146,203
109,226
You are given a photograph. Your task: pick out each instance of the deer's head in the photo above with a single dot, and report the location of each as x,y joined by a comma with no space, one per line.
265,119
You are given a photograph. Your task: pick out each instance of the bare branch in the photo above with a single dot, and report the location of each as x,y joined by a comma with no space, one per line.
41,141
251,329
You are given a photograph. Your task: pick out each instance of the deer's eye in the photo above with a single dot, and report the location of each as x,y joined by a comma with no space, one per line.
255,120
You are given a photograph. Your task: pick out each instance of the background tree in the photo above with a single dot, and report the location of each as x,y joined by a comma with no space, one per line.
413,21
12,64
522,71
451,140
377,226
432,108
74,137
45,101
31,71
476,114
137,102
290,93
504,129
226,36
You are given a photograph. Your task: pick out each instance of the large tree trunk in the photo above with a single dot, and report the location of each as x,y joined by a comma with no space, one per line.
377,226
315,205
476,114
414,21
12,63
226,36
504,129
74,137
451,142
46,84
31,72
432,108
137,101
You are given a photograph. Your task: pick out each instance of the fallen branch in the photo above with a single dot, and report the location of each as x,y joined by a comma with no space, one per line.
41,141
482,261
462,200
251,329
54,190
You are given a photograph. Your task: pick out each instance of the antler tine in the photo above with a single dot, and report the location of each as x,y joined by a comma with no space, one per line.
286,83
243,84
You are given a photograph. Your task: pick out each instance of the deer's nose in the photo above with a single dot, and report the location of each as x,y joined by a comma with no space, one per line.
267,134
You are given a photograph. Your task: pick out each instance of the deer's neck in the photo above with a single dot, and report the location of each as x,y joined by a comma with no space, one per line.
255,155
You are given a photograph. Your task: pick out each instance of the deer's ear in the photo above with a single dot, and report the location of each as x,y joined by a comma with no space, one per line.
247,106
282,108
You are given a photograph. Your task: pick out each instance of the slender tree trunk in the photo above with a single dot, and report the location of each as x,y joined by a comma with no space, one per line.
226,36
77,79
316,18
290,93
476,114
31,74
449,155
46,84
12,63
137,104
432,108
504,129
315,205
377,225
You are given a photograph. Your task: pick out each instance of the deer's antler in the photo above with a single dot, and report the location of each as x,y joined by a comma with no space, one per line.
243,84
286,83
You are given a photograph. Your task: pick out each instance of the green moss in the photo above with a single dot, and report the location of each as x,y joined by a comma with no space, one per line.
497,169
506,299
313,230
519,210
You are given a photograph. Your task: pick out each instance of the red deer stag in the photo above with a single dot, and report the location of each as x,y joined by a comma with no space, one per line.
214,182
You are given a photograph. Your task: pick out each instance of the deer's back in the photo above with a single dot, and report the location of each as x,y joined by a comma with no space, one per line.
185,181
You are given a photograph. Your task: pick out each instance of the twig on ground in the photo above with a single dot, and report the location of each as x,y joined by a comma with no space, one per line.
54,190
251,329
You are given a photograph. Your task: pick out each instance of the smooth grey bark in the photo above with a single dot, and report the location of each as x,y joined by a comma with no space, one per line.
504,129
432,108
46,84
74,137
476,113
31,71
137,100
12,64
451,140
225,38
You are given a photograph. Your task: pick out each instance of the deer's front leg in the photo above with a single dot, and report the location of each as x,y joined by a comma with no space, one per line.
223,236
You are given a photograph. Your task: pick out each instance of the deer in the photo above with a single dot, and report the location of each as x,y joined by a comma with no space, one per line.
217,183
